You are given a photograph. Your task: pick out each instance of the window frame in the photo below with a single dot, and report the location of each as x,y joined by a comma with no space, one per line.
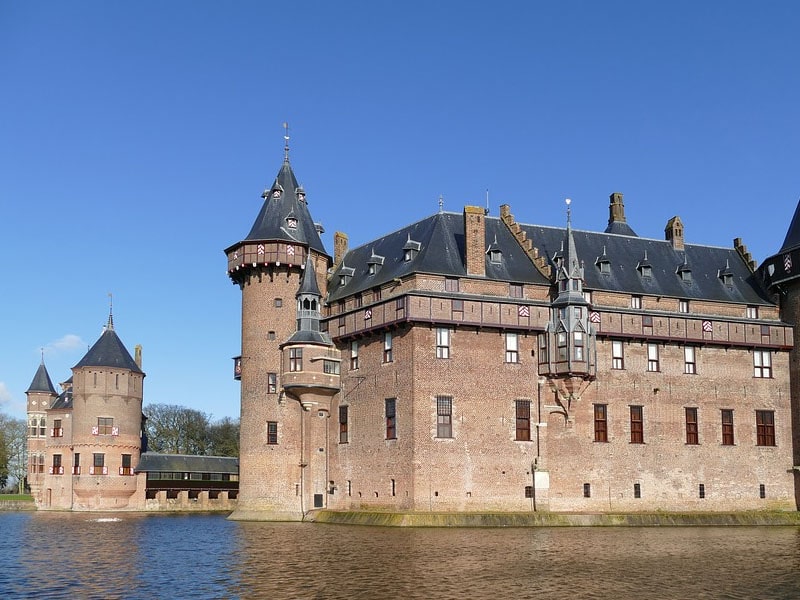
444,417
512,347
653,362
728,432
617,358
344,433
600,412
762,364
692,426
390,410
272,433
690,360
522,414
443,342
637,423
388,347
765,428
354,355
272,383
295,360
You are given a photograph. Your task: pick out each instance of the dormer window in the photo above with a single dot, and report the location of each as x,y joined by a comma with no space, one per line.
291,222
410,249
684,272
345,273
495,256
726,275
276,193
644,268
603,263
301,194
374,264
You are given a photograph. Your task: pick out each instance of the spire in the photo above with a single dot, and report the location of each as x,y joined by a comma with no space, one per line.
286,143
41,381
570,270
309,303
110,324
308,285
792,239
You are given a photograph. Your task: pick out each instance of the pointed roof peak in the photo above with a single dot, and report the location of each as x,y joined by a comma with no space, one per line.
109,351
110,324
308,284
41,381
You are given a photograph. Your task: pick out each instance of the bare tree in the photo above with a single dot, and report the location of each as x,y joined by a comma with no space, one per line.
173,429
224,437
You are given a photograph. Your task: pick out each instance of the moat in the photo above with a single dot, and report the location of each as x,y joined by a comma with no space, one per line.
83,555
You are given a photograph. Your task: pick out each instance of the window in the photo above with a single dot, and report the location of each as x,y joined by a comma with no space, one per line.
577,338
652,357
637,490
587,490
76,464
762,364
529,491
391,418
523,420
387,347
689,362
376,294
295,359
57,469
450,284
278,302
272,383
442,342
126,469
727,427
762,490
617,355
691,426
40,466
42,427
515,290
272,433
353,356
561,342
358,300
98,464
512,348
343,424
58,431
543,354
330,367
683,306
701,490
636,302
600,423
637,425
105,425
444,416
752,312
34,429
765,428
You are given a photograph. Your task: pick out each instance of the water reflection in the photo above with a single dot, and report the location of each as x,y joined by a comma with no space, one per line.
63,555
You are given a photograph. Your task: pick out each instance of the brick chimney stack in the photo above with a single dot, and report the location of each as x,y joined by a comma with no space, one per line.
616,209
339,248
674,232
475,237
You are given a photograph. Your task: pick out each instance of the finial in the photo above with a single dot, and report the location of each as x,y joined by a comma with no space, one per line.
486,210
569,212
110,311
286,142
441,203
42,349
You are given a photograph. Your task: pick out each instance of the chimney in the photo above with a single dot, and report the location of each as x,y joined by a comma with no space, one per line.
674,232
137,355
616,209
475,237
339,248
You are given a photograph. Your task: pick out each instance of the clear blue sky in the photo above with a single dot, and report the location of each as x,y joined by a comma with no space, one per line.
137,137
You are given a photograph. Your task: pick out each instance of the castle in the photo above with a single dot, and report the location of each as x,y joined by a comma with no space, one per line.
470,362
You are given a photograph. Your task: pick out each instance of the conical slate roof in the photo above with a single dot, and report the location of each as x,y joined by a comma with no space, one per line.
309,285
41,382
109,351
793,235
284,215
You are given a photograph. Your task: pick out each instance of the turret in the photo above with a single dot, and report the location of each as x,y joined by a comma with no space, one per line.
41,395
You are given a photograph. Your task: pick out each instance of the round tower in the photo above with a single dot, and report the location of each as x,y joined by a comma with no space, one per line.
781,274
41,395
268,266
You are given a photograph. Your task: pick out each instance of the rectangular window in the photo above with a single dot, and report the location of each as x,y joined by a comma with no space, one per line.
637,490
587,490
391,418
515,290
683,306
57,469
444,416
450,284
376,294
58,431
523,410
512,348
752,312
295,359
387,347
577,340
727,427
272,433
272,383
637,425
353,356
343,424
98,464
543,354
105,425
636,302
701,490
76,463
442,342
691,426
561,342
587,296
330,367
617,355
400,307
358,300
652,357
765,428
689,360
762,490
762,364
126,468
600,422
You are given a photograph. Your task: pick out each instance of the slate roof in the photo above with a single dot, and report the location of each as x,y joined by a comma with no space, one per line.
441,239
184,463
792,240
625,253
64,400
109,351
41,382
272,222
441,252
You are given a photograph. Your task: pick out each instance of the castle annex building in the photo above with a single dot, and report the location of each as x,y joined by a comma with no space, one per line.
470,362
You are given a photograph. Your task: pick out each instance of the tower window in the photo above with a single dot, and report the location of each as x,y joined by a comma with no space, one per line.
762,364
691,426
272,433
442,342
727,427
683,306
295,359
617,355
444,416
523,417
353,356
652,357
387,347
689,360
343,437
272,383
765,428
637,425
600,423
512,348
391,418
